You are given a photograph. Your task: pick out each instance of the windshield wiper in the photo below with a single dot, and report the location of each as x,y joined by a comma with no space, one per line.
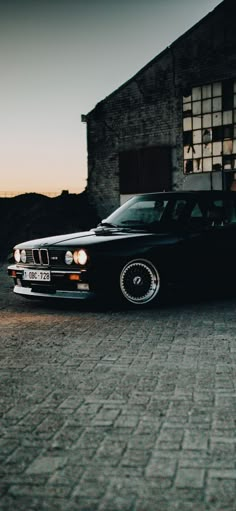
107,224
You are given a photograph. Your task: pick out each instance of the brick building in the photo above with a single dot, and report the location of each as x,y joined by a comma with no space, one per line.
172,125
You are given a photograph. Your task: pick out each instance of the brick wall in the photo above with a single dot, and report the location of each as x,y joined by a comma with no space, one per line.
147,110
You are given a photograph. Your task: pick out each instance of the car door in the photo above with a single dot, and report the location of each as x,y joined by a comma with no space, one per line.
212,239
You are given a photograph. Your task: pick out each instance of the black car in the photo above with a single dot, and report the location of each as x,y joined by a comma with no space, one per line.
150,242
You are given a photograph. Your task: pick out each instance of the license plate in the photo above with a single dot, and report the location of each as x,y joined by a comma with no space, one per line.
37,275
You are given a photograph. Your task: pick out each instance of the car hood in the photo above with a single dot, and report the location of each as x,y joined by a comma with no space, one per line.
86,238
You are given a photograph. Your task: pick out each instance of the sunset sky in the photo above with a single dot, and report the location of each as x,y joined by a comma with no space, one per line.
58,59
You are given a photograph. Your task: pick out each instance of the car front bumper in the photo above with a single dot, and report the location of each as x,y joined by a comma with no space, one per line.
63,284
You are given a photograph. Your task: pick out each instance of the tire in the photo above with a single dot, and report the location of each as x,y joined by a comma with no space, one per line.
139,281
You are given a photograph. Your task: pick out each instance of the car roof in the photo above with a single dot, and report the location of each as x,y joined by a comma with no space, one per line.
190,193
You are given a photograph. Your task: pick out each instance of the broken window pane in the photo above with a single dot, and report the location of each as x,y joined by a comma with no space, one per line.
217,133
217,163
187,107
227,146
207,135
228,131
227,162
187,99
188,138
197,165
188,166
207,150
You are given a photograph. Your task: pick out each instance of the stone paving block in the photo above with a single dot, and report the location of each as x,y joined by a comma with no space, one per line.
45,465
196,439
190,478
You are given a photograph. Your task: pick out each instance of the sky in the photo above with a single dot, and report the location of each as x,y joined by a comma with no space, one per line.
58,59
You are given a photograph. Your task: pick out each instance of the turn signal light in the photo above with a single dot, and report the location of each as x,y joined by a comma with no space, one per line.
74,276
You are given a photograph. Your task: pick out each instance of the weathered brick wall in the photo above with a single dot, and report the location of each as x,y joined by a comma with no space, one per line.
147,110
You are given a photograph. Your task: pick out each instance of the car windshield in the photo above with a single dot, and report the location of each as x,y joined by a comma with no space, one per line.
141,212
158,212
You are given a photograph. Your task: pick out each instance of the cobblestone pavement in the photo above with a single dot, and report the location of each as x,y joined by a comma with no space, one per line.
104,409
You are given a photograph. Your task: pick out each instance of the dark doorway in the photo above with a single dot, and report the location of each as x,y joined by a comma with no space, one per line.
145,170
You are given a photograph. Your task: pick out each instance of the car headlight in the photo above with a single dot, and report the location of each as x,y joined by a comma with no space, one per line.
68,257
17,255
80,257
23,256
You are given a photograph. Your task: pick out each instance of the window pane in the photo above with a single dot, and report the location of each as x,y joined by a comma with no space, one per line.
187,123
217,119
197,122
196,93
188,152
228,117
197,136
207,164
216,104
197,108
217,89
234,146
206,105
197,150
206,122
217,148
206,91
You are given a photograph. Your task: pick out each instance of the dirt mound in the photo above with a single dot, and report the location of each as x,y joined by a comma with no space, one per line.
32,215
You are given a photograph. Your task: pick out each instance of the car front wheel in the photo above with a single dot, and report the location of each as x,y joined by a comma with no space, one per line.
139,281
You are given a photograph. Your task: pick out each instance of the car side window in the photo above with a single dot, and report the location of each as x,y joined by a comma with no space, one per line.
216,213
197,217
230,211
